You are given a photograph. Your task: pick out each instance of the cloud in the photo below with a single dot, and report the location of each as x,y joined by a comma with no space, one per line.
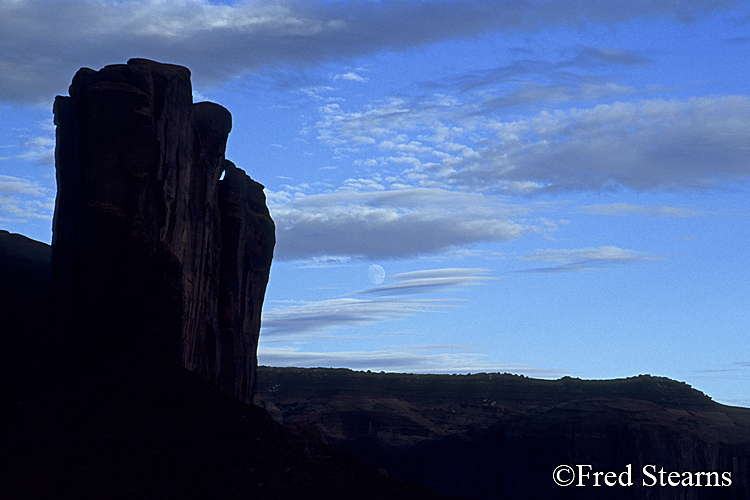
17,210
584,259
309,317
738,367
579,68
534,92
734,371
40,149
19,186
287,326
390,301
45,42
403,359
696,143
22,200
654,144
619,209
350,76
431,280
393,223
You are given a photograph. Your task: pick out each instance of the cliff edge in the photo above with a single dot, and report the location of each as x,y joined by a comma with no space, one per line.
154,255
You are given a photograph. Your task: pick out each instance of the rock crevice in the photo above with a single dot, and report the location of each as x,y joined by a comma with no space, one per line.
154,255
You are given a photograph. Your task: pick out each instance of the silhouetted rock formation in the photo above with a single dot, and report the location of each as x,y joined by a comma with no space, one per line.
155,257
156,262
163,434
24,308
491,436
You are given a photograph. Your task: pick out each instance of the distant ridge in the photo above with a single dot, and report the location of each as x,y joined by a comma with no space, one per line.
491,435
470,388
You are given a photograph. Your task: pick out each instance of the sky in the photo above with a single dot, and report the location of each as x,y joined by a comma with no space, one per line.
538,187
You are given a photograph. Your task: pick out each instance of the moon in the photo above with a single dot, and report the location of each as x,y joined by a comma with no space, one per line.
376,274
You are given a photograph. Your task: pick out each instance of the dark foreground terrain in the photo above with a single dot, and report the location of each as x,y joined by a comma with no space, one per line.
501,436
157,431
150,430
166,434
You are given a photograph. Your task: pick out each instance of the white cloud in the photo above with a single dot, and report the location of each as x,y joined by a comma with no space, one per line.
656,144
609,253
650,144
310,317
384,123
350,76
17,210
39,149
45,42
23,200
394,223
584,259
431,280
615,209
390,301
18,185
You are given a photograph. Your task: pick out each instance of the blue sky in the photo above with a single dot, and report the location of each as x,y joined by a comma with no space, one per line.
550,187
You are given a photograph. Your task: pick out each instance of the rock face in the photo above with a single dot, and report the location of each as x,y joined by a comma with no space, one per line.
489,436
153,256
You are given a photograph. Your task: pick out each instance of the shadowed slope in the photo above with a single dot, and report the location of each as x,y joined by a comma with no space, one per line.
500,436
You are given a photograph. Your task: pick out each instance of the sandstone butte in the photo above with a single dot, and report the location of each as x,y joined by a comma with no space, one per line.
159,261
161,247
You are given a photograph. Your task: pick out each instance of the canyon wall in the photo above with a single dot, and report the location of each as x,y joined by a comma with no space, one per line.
154,255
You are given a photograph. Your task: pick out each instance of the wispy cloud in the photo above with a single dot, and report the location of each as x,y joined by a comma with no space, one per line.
44,43
655,144
431,280
19,185
572,74
584,259
402,295
696,143
23,200
621,209
403,359
740,368
40,149
393,223
350,76
309,317
17,210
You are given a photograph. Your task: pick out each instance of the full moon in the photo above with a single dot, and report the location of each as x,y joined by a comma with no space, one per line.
376,274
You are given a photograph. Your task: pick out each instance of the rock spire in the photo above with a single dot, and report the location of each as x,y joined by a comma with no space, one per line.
155,256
